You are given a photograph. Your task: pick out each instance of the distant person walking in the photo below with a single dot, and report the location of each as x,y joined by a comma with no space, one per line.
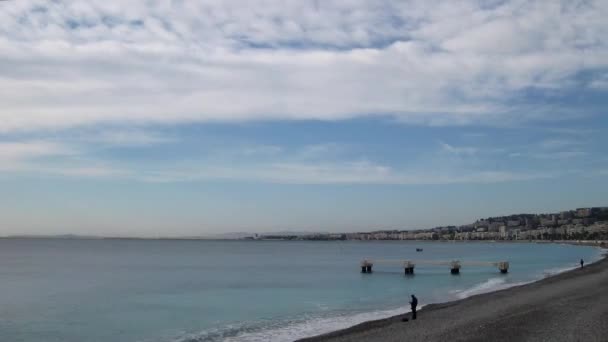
582,263
414,304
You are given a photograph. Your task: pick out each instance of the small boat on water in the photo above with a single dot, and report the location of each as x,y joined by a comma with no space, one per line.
418,249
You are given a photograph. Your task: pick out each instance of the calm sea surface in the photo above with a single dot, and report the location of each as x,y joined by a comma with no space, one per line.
169,290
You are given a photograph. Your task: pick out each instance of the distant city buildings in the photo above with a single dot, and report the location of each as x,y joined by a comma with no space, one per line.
579,224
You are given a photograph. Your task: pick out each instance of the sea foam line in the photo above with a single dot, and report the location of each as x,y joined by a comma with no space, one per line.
290,330
315,326
490,285
496,284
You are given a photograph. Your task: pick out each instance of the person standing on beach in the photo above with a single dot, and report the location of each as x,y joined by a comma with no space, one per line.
414,304
582,263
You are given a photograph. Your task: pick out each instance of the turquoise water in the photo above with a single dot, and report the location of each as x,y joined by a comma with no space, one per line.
191,291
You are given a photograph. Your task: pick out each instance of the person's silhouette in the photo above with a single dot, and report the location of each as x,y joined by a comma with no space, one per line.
582,263
414,304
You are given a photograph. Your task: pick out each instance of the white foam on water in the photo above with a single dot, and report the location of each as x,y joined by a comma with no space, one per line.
557,270
495,284
315,326
492,284
290,331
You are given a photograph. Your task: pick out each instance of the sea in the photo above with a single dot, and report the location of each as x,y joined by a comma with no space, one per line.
121,290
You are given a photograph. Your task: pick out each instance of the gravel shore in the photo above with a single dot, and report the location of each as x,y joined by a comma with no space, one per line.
572,306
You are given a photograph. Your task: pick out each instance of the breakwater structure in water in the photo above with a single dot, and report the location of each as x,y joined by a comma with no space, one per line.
455,265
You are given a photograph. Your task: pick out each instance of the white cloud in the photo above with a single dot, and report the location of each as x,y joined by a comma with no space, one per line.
600,83
550,144
475,135
309,164
40,157
15,156
321,151
551,155
460,150
561,155
348,172
127,137
572,131
77,63
96,171
257,150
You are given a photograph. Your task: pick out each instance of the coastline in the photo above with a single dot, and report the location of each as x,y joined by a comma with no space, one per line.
534,311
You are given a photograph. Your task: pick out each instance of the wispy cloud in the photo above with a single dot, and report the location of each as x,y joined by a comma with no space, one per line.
573,131
551,144
127,137
96,171
460,150
77,63
475,135
600,82
550,155
39,157
14,155
357,172
326,150
561,155
308,164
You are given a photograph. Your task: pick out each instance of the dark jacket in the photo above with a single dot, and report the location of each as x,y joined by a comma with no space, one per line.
414,302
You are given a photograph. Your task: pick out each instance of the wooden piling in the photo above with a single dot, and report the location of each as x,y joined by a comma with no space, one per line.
503,266
366,266
455,267
408,267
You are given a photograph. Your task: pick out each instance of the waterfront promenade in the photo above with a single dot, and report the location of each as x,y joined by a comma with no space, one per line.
572,306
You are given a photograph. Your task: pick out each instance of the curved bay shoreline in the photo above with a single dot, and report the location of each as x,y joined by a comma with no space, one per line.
570,306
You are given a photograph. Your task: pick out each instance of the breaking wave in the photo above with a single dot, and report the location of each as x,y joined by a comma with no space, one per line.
490,285
287,331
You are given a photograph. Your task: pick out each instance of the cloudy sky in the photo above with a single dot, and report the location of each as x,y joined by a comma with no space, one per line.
163,118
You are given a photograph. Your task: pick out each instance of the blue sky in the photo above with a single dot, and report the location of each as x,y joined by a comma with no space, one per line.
170,118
